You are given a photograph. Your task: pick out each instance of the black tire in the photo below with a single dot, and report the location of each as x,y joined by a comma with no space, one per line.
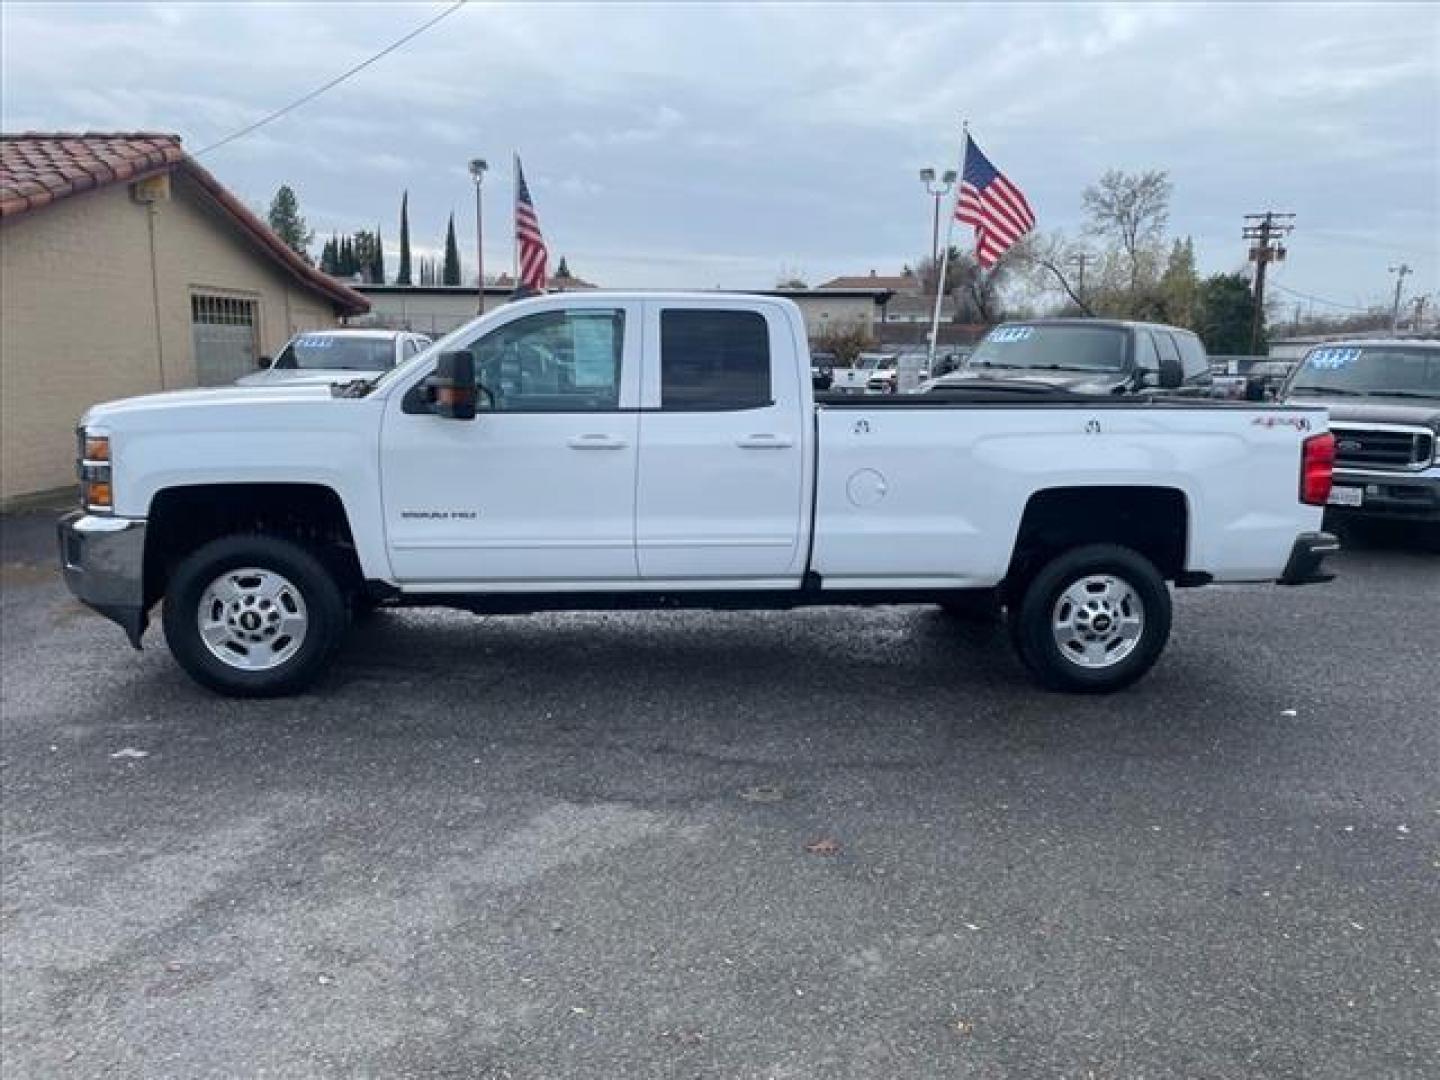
1058,668
324,610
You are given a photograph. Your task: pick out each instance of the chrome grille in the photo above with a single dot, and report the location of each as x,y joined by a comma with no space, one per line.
1383,446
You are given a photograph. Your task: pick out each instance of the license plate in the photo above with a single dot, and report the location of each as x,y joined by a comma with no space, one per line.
1347,496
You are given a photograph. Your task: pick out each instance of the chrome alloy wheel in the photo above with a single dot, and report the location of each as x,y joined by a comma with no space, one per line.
252,619
1097,621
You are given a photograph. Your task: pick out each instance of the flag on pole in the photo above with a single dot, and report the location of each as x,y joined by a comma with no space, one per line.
531,256
993,205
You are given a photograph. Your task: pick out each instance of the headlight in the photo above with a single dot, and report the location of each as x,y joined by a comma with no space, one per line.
96,493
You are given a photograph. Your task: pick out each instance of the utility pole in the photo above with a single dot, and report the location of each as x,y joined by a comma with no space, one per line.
1399,272
1080,260
1265,231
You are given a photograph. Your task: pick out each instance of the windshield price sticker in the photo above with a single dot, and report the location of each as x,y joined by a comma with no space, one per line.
1010,333
1332,359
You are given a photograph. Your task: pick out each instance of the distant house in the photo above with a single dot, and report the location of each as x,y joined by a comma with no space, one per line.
125,267
904,284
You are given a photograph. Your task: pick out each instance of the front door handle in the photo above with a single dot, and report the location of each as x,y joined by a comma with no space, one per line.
765,442
595,442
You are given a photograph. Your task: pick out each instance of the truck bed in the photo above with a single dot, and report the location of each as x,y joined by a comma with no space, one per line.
944,498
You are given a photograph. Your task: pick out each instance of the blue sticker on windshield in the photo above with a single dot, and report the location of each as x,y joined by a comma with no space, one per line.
315,341
1004,334
1332,359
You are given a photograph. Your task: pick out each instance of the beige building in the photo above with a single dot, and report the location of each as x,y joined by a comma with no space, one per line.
438,309
127,268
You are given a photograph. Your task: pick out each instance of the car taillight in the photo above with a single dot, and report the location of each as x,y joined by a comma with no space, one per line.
1317,469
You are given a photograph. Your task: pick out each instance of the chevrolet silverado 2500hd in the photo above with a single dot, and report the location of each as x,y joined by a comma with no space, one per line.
644,450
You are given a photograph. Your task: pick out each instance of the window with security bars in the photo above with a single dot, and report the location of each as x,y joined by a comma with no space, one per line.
225,330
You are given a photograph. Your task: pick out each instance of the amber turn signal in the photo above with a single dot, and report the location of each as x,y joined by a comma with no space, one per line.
97,448
97,495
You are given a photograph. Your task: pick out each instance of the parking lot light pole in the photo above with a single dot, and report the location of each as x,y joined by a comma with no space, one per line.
477,173
938,192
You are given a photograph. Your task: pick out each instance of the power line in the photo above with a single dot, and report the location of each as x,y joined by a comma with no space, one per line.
1316,299
333,82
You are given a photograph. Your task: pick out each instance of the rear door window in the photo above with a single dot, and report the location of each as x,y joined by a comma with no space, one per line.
714,361
1193,360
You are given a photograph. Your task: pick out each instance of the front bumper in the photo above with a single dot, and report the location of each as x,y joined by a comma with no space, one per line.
1411,496
103,559
1306,558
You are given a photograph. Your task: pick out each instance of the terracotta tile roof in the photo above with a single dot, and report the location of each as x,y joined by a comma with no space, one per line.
38,168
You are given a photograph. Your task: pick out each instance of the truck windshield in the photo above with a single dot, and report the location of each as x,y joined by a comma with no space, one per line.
1377,371
332,352
1054,348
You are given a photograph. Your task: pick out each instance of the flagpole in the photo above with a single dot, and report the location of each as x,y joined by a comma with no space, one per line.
945,259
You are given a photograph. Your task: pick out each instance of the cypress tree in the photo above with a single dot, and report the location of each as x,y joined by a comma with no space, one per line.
403,277
289,225
377,265
452,254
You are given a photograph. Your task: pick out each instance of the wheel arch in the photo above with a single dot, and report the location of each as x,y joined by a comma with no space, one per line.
1151,520
183,517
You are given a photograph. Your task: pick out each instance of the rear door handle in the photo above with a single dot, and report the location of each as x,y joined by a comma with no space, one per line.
764,442
596,442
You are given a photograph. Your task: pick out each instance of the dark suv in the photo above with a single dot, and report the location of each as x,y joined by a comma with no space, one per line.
1384,401
1089,356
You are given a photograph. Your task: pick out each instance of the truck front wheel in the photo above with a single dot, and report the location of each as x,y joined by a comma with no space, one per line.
1094,619
253,616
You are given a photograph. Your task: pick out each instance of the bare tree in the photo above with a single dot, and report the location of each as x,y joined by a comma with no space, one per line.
978,292
1048,257
1131,210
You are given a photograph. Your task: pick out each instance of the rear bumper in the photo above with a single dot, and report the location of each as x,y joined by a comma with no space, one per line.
1413,496
103,559
1307,556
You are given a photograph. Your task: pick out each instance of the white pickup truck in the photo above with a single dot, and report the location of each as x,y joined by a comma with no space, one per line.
644,450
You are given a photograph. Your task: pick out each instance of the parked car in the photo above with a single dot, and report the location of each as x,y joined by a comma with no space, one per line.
950,359
822,371
886,377
1088,356
1384,402
854,379
663,450
327,356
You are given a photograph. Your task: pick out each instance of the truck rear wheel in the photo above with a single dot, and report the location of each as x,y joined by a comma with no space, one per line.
1093,620
253,616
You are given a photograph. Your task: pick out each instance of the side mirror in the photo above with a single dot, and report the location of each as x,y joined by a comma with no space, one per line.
264,362
452,387
1170,375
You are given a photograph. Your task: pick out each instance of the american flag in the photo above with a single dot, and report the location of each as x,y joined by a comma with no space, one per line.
993,205
529,244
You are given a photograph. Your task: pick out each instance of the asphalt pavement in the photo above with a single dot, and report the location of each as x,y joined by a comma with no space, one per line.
819,844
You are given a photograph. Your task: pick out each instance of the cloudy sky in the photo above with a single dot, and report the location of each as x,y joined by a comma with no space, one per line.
691,145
